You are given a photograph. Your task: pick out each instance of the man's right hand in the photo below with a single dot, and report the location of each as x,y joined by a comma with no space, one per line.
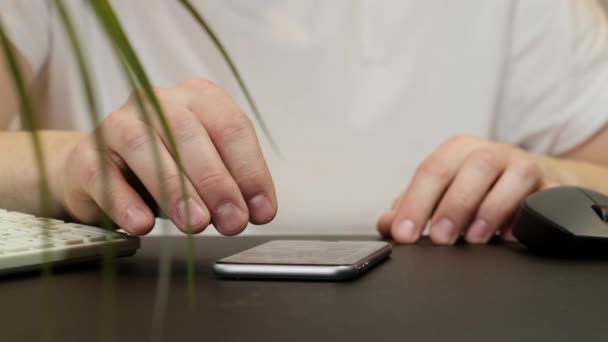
227,180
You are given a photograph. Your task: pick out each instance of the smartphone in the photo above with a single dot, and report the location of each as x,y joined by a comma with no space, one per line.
304,260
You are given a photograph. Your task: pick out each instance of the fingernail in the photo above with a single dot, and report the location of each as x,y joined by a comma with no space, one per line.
478,232
198,216
260,209
444,231
405,231
136,215
228,218
139,220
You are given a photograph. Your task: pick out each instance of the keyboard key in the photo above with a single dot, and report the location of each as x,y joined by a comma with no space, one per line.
89,236
6,224
15,248
12,233
65,239
25,231
16,216
41,222
35,242
111,234
24,237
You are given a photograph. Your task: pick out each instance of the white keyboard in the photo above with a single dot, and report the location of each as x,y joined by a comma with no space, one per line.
27,241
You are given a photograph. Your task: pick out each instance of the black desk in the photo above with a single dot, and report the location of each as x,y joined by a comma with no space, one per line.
424,293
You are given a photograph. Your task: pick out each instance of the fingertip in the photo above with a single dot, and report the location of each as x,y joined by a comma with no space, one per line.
404,231
199,216
195,228
139,221
233,232
229,219
479,233
441,241
384,223
261,209
444,232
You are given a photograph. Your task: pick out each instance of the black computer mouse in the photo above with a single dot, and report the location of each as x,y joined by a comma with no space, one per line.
564,220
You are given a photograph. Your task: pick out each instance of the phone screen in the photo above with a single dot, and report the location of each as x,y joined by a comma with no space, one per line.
294,252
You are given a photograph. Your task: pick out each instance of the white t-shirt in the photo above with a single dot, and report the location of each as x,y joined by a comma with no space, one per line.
355,92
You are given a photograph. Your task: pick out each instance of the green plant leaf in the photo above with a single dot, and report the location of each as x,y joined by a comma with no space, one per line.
139,81
233,68
30,118
108,266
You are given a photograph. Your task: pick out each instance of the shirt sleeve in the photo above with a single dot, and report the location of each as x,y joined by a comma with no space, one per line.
27,25
555,93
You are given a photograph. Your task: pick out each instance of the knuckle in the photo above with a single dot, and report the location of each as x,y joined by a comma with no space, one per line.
159,91
171,184
461,201
211,180
248,176
460,139
526,168
235,128
183,126
484,159
113,120
167,98
133,136
434,169
198,83
136,95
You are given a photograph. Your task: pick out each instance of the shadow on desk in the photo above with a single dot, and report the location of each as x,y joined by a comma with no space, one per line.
498,292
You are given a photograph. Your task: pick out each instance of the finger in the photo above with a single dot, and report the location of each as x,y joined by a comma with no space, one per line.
205,169
386,220
426,188
548,185
461,201
520,178
384,223
137,144
507,234
397,200
110,191
234,138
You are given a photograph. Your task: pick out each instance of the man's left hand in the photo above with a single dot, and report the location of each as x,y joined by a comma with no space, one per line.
468,186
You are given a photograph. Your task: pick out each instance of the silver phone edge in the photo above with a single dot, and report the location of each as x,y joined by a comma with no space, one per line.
305,272
266,271
374,258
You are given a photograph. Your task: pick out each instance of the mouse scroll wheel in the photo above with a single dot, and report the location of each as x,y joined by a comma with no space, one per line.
602,211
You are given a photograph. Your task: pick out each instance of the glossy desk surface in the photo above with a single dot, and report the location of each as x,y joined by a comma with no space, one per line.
422,293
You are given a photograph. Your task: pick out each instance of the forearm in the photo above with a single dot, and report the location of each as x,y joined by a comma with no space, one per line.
20,183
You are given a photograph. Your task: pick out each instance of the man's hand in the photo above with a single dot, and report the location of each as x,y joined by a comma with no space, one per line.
467,186
227,179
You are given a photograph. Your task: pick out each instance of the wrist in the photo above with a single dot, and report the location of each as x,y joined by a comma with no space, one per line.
556,170
59,156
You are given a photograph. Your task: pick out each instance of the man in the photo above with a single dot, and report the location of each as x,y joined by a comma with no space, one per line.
357,95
